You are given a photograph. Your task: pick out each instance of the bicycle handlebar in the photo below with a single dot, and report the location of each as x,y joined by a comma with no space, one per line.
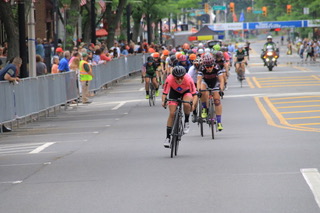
178,100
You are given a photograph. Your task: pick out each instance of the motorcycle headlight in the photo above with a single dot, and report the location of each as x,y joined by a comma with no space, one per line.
267,59
273,59
269,54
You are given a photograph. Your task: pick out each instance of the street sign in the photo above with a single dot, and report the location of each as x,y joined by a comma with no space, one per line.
257,11
305,10
192,14
219,7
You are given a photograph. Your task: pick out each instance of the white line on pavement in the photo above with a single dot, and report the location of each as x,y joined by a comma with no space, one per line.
12,182
41,148
119,105
312,177
25,164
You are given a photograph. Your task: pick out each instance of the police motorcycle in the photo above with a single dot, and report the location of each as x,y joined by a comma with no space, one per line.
270,58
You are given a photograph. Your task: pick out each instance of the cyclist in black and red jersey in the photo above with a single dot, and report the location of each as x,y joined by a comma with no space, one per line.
211,76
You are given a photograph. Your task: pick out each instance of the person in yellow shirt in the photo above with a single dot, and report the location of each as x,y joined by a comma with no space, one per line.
85,77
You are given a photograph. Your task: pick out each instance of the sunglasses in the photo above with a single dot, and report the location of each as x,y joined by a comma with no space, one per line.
210,67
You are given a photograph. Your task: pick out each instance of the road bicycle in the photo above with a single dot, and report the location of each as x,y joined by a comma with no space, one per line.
211,118
177,128
152,94
240,73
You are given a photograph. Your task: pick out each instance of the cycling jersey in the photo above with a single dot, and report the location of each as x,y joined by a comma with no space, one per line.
240,55
187,65
226,56
150,70
211,78
187,86
193,73
221,64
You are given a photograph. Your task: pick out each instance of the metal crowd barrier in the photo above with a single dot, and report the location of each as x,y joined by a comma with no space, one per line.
38,94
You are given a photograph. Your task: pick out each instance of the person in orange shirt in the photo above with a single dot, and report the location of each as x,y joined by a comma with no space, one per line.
55,64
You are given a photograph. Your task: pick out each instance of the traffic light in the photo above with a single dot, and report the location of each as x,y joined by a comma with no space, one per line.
289,9
231,5
206,7
249,9
264,11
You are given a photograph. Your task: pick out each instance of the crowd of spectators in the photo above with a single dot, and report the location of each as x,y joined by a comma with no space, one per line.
307,48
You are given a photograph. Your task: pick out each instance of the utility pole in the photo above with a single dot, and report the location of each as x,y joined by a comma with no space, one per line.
22,38
93,22
31,42
128,22
56,27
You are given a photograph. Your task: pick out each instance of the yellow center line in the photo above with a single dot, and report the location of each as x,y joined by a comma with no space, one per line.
300,112
283,80
309,124
294,97
285,107
283,120
282,77
316,77
254,79
303,69
249,82
291,102
302,118
291,82
272,123
296,85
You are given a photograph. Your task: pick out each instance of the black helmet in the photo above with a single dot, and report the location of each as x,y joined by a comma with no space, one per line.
178,71
173,58
150,59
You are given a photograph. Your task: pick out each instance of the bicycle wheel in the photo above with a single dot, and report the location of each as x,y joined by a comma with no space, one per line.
200,120
174,133
211,117
154,97
180,133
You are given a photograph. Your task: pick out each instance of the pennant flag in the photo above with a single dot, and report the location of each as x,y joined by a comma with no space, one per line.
83,2
102,5
241,19
234,16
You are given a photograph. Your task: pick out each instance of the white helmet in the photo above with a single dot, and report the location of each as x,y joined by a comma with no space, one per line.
200,45
269,37
207,50
200,51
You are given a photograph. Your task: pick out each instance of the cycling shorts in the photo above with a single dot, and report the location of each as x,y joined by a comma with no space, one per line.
175,95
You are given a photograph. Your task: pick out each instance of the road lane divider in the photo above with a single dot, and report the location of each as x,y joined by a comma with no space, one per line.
312,177
41,148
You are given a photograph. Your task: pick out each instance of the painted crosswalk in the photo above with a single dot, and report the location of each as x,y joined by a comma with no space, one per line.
24,148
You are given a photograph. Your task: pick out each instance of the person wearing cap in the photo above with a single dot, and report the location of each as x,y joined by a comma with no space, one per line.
59,52
85,77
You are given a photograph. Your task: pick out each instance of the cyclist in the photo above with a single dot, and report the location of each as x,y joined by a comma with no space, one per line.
191,58
157,62
184,62
149,71
211,76
178,85
240,59
221,61
193,72
172,63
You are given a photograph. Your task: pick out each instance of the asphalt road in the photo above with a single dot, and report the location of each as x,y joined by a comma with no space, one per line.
109,156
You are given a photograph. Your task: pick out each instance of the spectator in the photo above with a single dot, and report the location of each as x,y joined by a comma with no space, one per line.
96,57
131,48
124,51
47,53
103,57
116,47
141,49
74,66
54,68
41,67
40,48
64,63
85,77
59,52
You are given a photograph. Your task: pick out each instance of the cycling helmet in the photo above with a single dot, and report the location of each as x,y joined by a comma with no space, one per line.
150,59
192,57
156,55
207,59
165,52
197,61
183,58
217,47
190,52
240,46
200,45
269,37
219,54
173,58
178,71
200,51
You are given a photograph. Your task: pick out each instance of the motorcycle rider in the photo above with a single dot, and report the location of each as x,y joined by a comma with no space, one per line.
271,46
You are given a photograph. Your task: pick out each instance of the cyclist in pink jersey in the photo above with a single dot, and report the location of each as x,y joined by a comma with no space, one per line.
178,85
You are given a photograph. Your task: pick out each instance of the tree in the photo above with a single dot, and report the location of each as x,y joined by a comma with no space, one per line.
11,28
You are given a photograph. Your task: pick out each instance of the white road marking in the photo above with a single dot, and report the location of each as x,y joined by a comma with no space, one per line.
272,94
25,164
141,89
12,182
119,105
312,177
41,148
